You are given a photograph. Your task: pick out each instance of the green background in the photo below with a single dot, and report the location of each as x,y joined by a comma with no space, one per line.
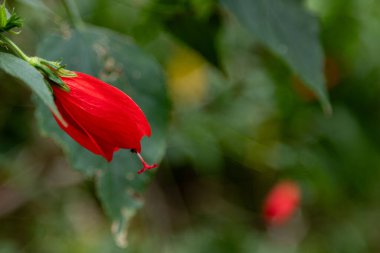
239,96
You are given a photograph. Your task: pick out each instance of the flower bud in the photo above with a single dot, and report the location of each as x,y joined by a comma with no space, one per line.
281,202
100,117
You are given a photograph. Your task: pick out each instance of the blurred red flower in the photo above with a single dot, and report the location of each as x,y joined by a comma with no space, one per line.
101,117
281,202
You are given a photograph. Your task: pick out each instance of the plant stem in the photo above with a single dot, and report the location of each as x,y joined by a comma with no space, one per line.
73,13
11,45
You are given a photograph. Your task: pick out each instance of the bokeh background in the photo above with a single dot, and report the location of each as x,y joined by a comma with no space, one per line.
240,121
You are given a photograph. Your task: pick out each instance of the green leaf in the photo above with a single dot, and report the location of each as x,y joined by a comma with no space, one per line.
120,191
32,78
291,32
37,4
114,59
3,15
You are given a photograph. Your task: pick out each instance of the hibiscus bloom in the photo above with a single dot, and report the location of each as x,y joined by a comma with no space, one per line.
281,202
100,117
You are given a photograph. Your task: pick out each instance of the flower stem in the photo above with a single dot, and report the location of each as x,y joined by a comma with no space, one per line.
15,49
73,13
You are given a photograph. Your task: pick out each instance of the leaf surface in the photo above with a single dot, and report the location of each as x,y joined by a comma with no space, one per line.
21,70
291,32
117,61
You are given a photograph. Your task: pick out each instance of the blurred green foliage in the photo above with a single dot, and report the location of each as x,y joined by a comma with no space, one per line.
240,121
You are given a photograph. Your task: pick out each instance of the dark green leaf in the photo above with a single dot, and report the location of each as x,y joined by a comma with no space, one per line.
200,34
291,32
114,59
195,24
31,77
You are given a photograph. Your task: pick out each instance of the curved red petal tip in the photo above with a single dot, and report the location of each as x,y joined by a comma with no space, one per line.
145,165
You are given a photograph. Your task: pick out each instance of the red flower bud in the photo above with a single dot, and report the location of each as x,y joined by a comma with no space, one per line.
281,202
100,117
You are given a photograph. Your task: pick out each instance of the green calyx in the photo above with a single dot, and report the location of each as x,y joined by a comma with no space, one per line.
9,21
52,71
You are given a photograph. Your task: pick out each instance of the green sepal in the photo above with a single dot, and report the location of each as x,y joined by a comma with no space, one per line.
52,77
59,69
51,64
66,73
14,21
51,70
9,21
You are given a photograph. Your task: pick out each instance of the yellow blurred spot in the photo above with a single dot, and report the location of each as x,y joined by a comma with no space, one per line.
187,77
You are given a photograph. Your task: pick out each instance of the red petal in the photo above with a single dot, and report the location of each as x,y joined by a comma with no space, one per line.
83,137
